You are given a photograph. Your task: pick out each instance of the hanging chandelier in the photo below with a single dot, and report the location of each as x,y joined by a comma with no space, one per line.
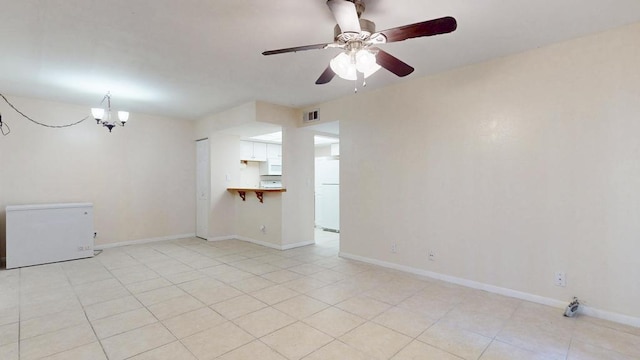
105,118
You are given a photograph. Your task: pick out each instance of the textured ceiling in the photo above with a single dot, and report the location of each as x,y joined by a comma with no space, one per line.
190,58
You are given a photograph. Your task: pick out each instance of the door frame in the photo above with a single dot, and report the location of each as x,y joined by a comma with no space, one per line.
203,187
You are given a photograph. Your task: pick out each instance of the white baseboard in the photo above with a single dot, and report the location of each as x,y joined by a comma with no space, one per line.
275,246
611,316
586,310
297,245
143,241
262,243
223,238
258,242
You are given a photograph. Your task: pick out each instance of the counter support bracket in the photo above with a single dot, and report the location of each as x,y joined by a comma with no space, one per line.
259,192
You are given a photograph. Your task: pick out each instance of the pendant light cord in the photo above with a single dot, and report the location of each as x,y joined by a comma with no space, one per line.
4,125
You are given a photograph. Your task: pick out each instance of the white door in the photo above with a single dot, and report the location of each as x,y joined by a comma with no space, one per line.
203,173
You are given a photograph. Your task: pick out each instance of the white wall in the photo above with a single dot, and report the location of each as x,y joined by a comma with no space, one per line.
249,174
298,178
251,215
298,155
508,170
225,173
140,178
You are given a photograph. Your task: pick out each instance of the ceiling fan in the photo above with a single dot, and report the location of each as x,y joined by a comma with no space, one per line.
359,40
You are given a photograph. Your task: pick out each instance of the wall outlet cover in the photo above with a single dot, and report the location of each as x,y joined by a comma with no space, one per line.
560,279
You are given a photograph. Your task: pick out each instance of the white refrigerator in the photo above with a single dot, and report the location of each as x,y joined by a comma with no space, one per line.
328,193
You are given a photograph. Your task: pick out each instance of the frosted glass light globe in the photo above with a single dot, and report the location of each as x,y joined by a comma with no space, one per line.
366,63
343,67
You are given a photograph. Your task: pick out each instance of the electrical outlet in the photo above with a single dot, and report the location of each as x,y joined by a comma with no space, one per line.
432,256
394,248
560,279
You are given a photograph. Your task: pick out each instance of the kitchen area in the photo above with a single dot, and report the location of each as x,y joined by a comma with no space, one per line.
261,162
261,170
258,177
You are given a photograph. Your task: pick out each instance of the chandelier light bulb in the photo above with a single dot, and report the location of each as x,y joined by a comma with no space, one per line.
344,67
123,116
98,113
347,66
366,63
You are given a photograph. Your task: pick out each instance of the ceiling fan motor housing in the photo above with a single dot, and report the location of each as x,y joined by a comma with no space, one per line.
359,6
368,27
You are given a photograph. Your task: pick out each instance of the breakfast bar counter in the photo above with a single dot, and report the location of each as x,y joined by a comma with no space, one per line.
259,192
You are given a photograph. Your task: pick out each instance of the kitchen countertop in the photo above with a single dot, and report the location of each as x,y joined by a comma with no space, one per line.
259,192
257,189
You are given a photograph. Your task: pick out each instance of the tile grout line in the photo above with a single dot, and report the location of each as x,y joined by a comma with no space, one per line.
84,310
311,260
130,294
144,306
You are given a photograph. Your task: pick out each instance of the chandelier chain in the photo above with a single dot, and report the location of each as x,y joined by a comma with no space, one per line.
37,122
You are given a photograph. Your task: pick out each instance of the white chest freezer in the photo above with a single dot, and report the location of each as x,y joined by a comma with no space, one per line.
40,234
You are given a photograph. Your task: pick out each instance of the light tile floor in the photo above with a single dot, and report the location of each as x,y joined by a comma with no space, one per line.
231,300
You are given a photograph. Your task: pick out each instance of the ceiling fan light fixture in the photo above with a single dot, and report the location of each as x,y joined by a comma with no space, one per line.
344,67
358,39
347,66
366,63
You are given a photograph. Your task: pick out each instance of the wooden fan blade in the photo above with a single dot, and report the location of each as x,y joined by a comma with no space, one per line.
296,49
326,76
346,15
392,63
426,28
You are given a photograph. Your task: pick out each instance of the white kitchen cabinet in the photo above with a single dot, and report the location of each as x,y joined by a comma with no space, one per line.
260,151
273,166
246,150
253,151
274,151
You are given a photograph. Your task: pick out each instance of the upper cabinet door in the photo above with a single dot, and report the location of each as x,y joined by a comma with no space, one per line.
259,151
274,151
246,151
253,151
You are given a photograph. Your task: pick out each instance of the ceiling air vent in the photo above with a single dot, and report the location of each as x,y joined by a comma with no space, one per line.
313,115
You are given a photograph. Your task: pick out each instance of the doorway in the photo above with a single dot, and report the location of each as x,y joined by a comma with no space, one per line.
327,189
203,188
